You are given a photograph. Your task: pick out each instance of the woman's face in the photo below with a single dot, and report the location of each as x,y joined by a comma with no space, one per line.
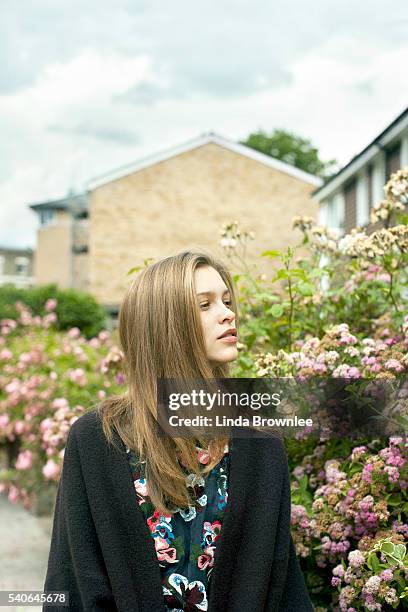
217,318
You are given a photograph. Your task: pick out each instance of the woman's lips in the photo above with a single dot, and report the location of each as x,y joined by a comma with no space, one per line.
229,339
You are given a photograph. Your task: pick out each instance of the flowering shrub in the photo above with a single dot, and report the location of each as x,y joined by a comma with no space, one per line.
47,380
342,510
339,312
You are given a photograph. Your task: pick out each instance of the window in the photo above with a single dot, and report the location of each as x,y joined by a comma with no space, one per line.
82,248
82,215
392,160
370,190
46,216
350,208
22,266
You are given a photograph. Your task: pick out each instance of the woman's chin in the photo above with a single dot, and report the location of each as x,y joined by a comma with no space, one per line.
225,357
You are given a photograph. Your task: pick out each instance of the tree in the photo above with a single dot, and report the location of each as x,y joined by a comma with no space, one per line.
291,149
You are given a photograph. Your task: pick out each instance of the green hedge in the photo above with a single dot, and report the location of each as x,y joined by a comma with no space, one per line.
74,309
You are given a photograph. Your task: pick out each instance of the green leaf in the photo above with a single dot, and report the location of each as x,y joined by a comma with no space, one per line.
400,551
387,548
394,499
271,254
246,361
375,564
267,297
276,310
306,289
133,270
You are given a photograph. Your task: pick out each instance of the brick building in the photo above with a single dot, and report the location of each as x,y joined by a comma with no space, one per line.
175,199
62,242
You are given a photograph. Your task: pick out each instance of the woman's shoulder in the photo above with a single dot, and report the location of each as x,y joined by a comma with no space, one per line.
88,428
87,422
261,446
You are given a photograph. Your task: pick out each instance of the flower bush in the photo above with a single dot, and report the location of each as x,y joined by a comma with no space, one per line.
333,308
48,379
339,312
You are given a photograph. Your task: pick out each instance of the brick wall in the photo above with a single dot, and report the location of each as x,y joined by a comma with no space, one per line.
183,202
53,252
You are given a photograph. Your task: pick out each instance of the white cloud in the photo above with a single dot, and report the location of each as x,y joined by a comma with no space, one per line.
143,77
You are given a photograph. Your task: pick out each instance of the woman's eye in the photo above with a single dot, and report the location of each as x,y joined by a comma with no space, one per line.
204,305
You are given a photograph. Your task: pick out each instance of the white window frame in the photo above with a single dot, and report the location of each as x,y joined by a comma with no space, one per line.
362,206
24,262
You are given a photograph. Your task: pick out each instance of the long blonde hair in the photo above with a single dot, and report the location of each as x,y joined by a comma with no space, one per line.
161,336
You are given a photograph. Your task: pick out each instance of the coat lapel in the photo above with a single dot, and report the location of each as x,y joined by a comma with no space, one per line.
241,521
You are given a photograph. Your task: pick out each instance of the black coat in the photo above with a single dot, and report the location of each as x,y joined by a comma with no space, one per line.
103,554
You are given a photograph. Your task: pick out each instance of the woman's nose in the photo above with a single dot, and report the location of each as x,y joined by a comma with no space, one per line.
227,314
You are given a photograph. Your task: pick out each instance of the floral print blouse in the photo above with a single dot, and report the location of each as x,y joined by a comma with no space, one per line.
185,541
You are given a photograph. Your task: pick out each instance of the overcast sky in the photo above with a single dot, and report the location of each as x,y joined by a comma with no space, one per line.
86,86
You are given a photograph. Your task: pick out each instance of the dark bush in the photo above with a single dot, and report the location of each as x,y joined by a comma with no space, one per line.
74,309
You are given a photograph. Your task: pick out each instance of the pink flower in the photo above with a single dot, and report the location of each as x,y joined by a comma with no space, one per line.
394,364
356,558
50,304
103,335
366,474
4,421
203,456
164,551
49,318
6,354
46,424
12,387
51,470
13,494
101,394
74,332
338,571
141,487
347,338
78,376
60,402
392,472
387,575
206,559
24,460
357,452
19,427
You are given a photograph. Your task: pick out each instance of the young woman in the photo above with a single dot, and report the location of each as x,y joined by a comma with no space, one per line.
149,523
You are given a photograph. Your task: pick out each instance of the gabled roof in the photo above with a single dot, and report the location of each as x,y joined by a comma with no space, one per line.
77,202
358,161
208,138
16,250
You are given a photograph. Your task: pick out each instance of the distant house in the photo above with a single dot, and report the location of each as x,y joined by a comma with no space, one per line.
62,242
347,198
16,267
171,200
181,197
